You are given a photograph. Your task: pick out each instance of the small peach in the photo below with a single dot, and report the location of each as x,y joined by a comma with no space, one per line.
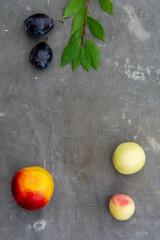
32,187
128,158
121,206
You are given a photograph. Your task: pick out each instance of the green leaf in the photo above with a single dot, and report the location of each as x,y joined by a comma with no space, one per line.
106,5
73,48
85,60
96,28
73,7
78,20
70,52
93,53
77,34
76,62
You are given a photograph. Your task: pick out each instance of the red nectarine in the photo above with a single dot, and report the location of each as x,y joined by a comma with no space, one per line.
32,187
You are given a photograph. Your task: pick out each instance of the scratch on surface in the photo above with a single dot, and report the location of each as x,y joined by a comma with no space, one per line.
88,204
146,149
134,24
52,155
139,129
39,225
44,163
154,144
52,162
91,204
2,114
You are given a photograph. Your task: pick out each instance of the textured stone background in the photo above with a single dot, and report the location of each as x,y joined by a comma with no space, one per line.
90,114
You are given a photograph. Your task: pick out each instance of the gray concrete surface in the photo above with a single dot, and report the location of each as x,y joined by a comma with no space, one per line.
90,114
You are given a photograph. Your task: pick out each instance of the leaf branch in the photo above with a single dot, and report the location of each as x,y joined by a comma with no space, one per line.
81,50
84,26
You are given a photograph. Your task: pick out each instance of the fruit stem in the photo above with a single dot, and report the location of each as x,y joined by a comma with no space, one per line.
58,21
46,39
84,26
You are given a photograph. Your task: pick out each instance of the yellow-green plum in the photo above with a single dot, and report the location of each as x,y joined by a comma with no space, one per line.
121,207
128,158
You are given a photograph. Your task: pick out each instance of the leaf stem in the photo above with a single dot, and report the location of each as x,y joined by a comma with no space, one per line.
59,21
84,26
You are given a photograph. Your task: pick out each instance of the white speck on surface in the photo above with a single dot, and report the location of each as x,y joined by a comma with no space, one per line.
154,144
104,118
137,76
123,116
2,114
138,72
12,216
80,83
134,25
39,225
112,37
129,122
6,30
127,61
28,8
140,68
158,72
101,45
29,227
48,1
116,63
148,71
145,233
62,80
57,154
128,73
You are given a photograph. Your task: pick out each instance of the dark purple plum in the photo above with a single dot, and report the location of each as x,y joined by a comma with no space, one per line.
41,55
38,24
